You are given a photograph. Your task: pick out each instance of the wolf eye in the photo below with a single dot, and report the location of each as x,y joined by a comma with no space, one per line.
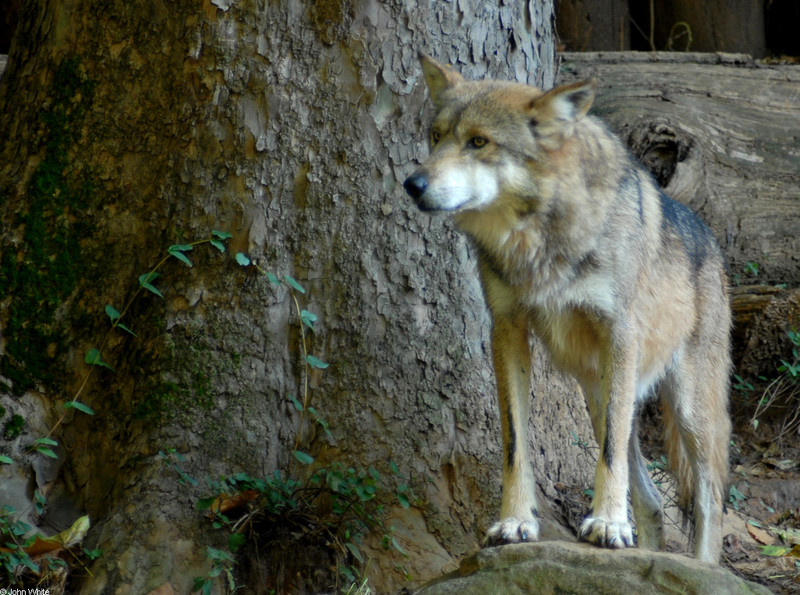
476,142
436,136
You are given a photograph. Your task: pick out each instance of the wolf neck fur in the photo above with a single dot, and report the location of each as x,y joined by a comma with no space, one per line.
522,248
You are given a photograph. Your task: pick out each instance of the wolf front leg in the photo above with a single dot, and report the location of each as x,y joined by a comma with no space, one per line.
512,365
611,402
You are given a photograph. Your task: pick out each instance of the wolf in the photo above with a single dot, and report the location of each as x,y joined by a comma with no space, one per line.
625,287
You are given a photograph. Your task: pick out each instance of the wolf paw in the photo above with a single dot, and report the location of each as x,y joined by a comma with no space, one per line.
605,533
512,531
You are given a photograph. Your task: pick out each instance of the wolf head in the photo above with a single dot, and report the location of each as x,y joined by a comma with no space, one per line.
491,139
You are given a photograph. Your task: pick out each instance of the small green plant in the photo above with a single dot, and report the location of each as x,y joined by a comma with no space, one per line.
750,272
13,556
736,498
222,563
751,268
783,391
742,386
333,508
170,459
585,446
13,427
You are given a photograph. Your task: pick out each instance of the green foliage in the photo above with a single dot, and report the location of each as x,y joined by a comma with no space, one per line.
42,446
221,565
749,273
782,391
336,507
172,458
13,427
736,498
12,541
742,386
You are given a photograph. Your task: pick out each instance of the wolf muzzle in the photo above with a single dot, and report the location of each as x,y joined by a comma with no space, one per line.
416,185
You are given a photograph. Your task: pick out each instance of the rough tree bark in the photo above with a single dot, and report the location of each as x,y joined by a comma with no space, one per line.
128,127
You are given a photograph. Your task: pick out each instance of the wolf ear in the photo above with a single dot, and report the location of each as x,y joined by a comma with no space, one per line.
569,103
553,114
438,77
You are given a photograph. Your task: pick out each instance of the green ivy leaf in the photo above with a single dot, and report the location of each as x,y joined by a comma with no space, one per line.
180,256
297,404
205,503
315,362
79,406
44,450
93,358
403,499
235,541
242,259
112,312
303,457
146,282
4,460
222,235
273,279
30,564
125,328
292,282
308,318
218,245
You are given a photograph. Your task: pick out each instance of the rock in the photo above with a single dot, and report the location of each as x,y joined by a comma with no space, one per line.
551,567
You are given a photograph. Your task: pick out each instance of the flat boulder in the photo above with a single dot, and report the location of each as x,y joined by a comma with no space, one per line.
557,567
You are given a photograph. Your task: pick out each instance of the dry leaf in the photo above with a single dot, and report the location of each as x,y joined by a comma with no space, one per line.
760,535
67,538
224,502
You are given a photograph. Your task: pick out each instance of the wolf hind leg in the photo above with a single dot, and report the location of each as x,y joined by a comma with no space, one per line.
645,499
512,363
698,429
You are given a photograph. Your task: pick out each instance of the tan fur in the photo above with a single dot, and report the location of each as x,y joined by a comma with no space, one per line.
625,288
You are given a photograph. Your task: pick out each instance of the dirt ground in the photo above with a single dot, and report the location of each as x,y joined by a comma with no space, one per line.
763,544
762,523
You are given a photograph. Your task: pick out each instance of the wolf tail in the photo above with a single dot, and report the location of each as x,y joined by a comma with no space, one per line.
696,438
679,461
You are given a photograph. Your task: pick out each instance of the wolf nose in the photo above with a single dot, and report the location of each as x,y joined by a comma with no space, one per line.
416,185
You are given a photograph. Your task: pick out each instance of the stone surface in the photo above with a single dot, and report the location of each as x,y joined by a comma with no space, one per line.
552,567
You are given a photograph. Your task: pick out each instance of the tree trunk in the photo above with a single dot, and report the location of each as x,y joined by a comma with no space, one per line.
129,127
